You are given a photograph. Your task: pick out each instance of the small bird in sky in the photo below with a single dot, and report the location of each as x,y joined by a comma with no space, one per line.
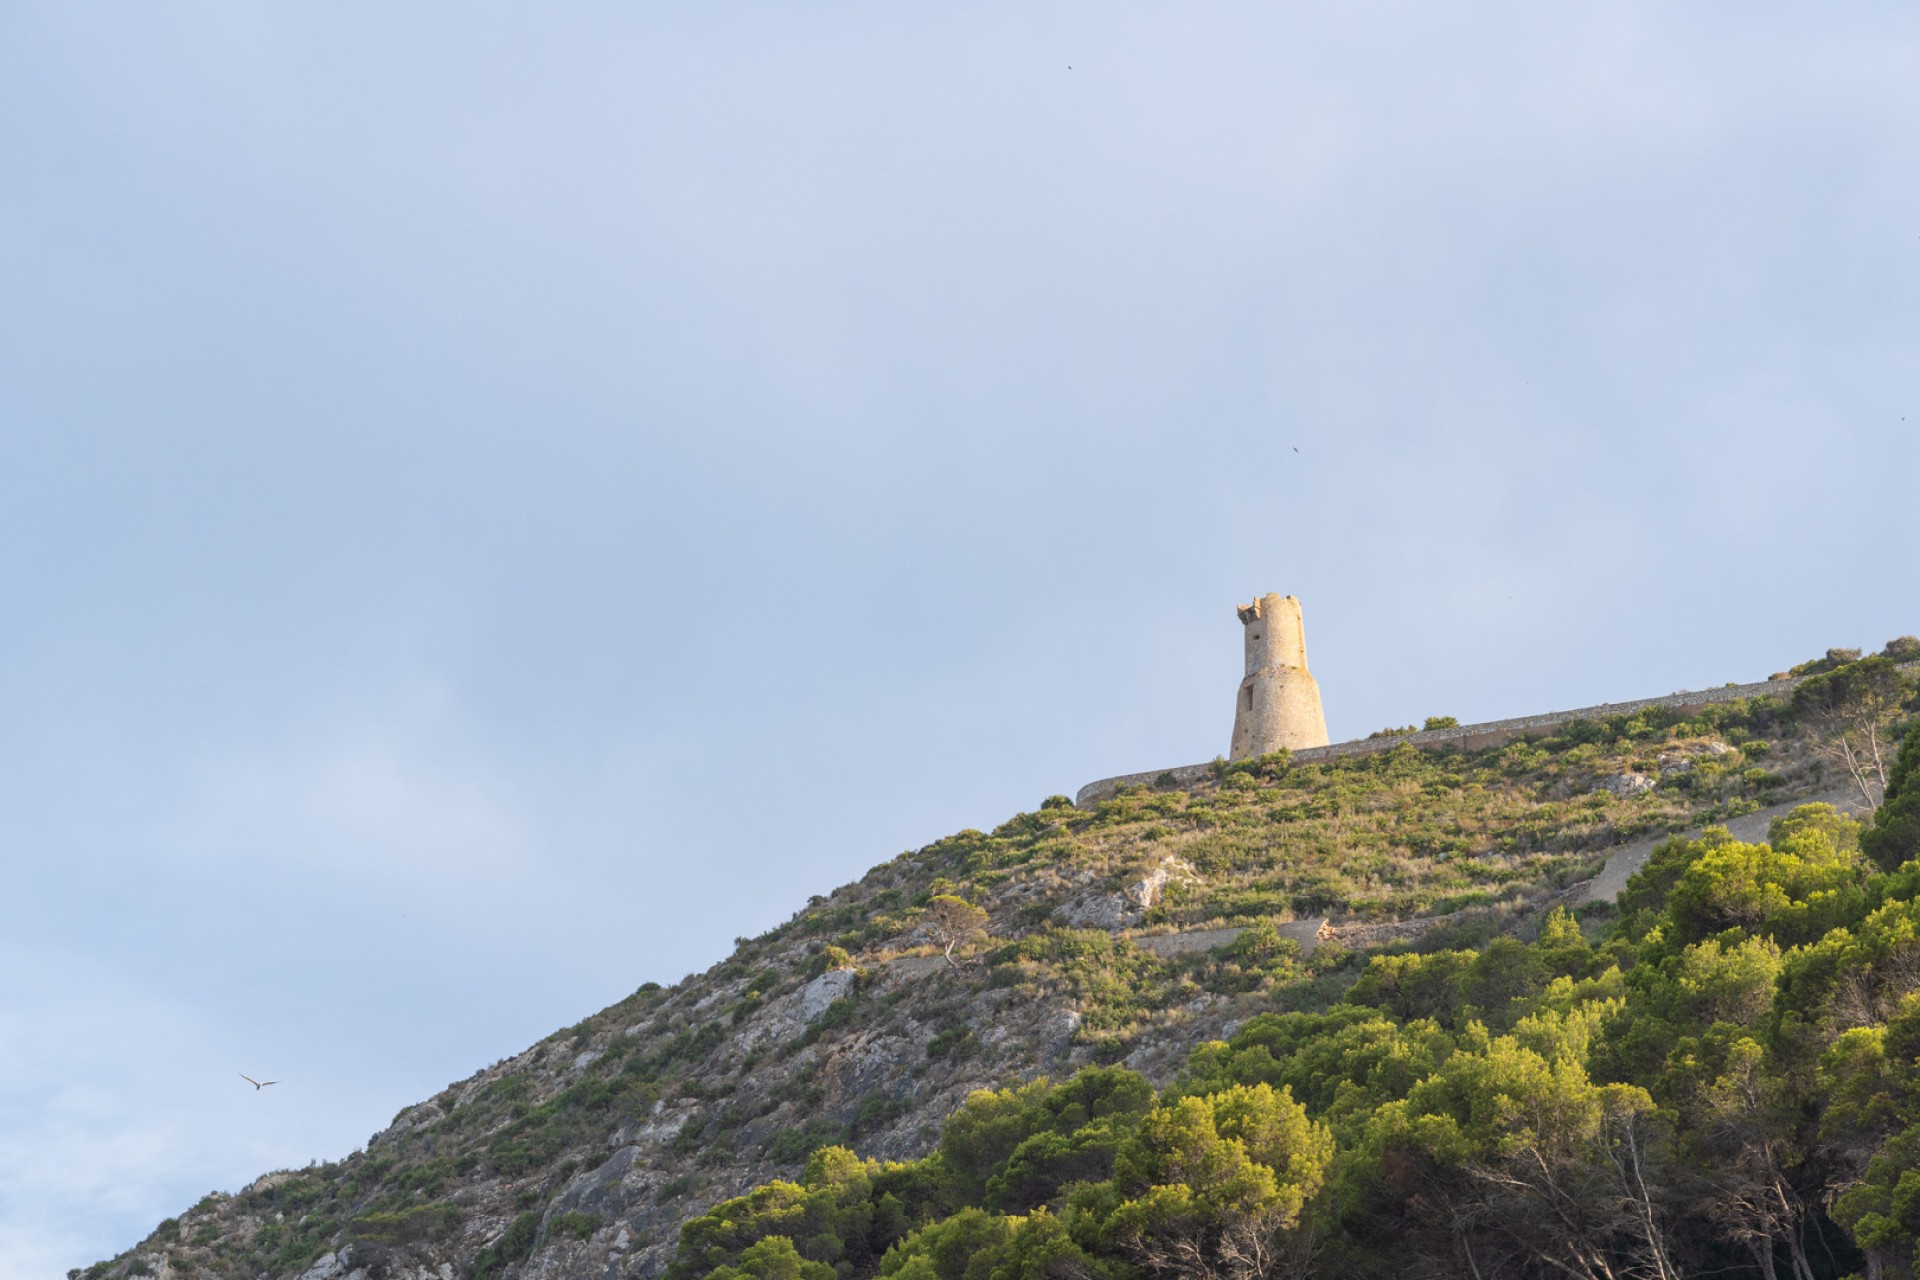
257,1084
1296,448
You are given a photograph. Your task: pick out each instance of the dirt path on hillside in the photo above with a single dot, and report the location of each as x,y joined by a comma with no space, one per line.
1623,861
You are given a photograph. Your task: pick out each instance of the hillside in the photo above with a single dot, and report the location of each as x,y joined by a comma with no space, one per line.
1170,932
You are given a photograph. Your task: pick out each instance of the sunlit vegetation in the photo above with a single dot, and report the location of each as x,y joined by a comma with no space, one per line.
1721,1081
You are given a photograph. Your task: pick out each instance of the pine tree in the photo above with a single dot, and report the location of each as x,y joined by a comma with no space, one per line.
1894,837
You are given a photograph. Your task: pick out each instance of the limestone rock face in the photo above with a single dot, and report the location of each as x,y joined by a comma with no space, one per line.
1150,888
1278,704
1628,784
1127,907
1099,911
330,1266
817,995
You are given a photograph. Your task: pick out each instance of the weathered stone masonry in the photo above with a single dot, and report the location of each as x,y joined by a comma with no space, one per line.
1278,703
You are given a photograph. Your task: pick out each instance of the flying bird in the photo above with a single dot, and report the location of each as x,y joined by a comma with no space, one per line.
257,1084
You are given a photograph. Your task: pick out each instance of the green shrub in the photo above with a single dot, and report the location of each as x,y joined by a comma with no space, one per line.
954,1042
1894,837
877,1112
674,1188
426,1222
512,1246
576,1224
791,1146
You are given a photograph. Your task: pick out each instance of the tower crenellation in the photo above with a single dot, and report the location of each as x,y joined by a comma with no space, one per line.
1278,703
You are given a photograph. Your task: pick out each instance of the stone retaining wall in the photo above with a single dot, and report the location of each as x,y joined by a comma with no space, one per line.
1470,737
1309,933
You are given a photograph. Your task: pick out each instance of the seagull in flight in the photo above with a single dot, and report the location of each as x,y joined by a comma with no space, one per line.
257,1084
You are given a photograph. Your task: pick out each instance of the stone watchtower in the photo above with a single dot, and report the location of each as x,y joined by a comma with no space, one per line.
1279,704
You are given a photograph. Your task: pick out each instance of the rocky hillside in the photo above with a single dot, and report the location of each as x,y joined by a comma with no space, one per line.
1127,933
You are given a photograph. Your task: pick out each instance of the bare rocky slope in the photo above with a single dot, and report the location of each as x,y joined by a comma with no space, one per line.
583,1155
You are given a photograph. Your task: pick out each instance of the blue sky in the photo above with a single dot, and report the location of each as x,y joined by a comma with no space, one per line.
495,504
